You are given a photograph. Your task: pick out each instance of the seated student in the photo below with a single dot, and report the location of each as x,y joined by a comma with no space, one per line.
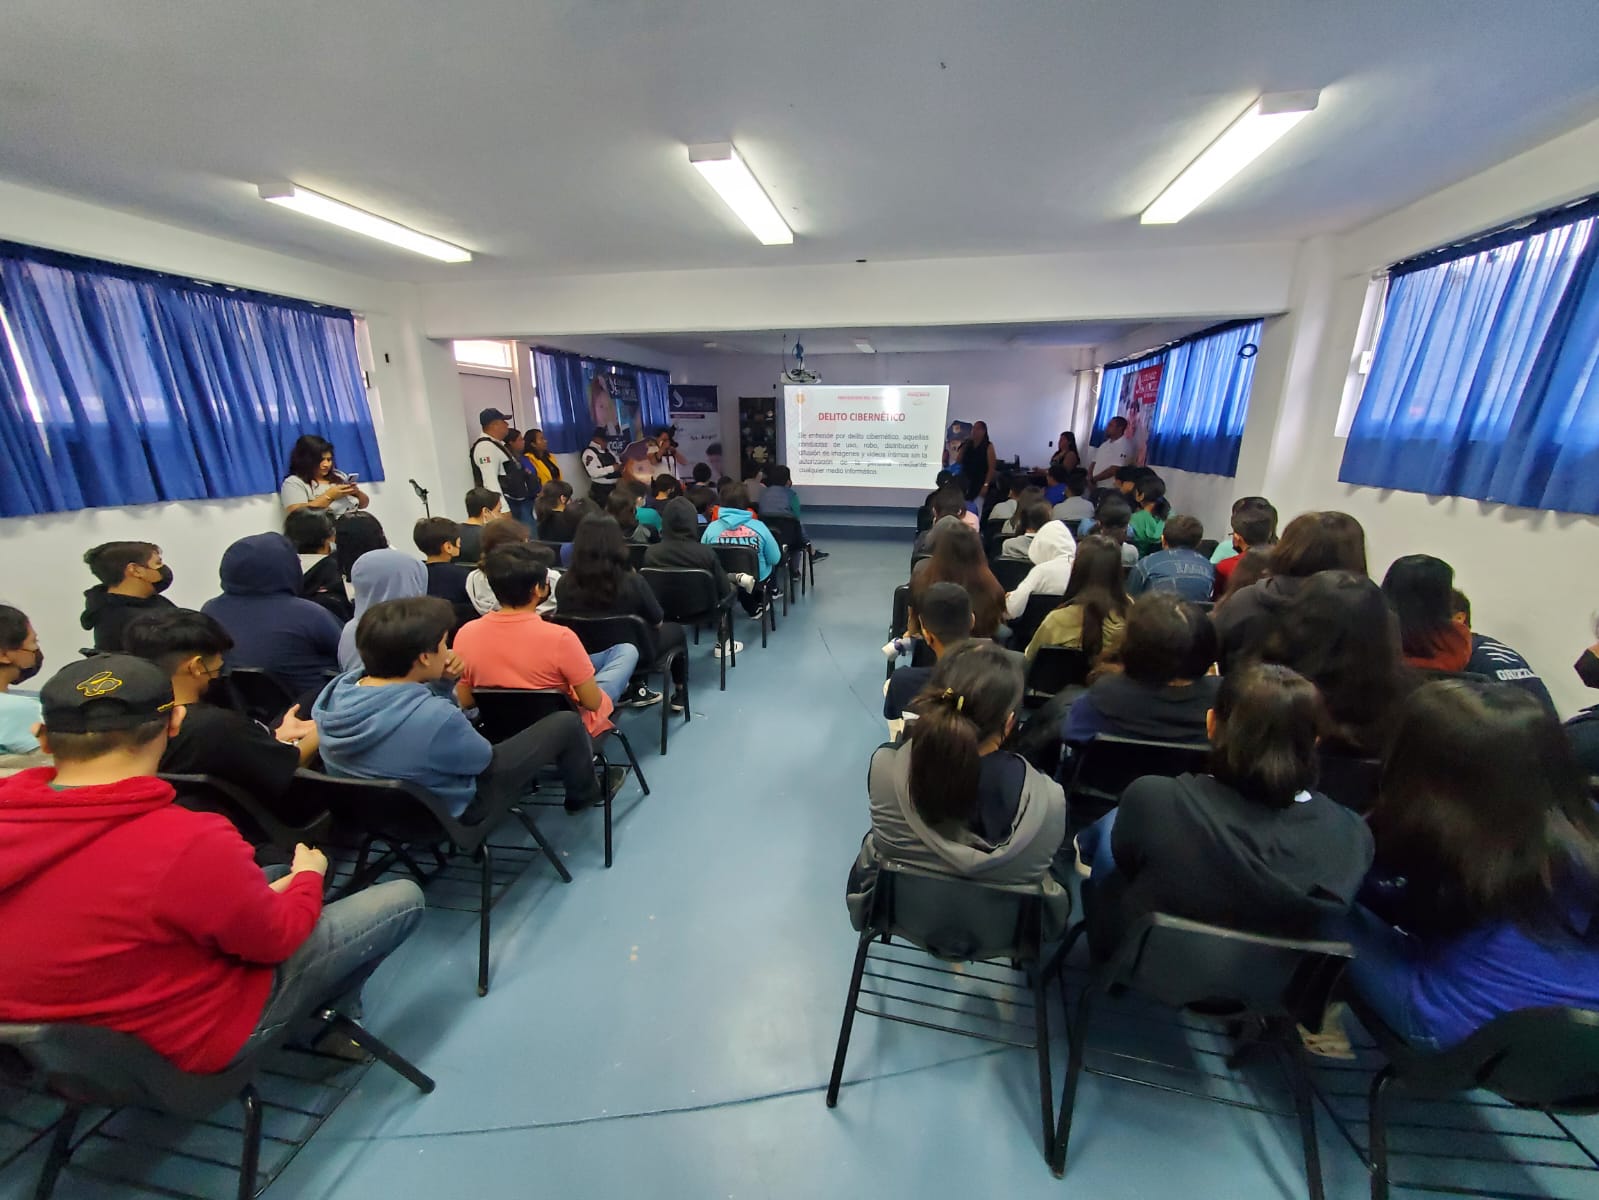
1055,492
1051,552
1339,633
1092,615
514,647
132,578
1010,487
483,507
1031,518
1249,845
701,474
396,718
1027,497
663,490
1110,520
957,557
602,584
623,508
704,501
20,660
1583,728
1419,588
123,910
503,533
1178,566
736,525
1127,479
1157,685
215,740
310,530
945,620
1254,525
1485,894
951,802
381,575
1075,507
555,523
946,502
439,540
273,627
680,548
779,496
1149,521
355,535
1251,569
1312,542
1493,659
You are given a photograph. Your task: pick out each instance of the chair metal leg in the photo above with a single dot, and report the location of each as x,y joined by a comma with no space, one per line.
632,760
1379,1133
666,705
732,646
1074,1071
1046,1089
60,1151
849,1020
250,1155
537,835
725,647
380,1050
1305,1107
485,903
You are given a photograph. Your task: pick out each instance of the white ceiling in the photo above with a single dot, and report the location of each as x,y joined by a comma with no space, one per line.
548,137
918,339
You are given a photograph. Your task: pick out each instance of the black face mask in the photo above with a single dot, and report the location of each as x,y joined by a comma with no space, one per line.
163,583
1588,668
26,673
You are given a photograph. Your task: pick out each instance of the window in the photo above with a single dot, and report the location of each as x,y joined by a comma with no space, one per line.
1483,380
496,356
121,386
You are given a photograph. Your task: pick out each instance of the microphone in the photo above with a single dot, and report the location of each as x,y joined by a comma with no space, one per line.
421,492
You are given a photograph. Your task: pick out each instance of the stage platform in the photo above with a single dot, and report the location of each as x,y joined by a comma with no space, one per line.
858,521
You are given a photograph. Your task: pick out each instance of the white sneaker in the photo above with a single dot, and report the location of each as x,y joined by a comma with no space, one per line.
744,581
738,648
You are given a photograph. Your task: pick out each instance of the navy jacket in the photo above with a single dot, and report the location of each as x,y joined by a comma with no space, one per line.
272,626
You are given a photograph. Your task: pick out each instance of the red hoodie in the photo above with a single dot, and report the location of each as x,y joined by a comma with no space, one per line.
119,908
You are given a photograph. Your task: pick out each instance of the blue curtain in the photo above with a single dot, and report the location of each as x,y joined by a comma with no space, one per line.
1204,399
27,483
654,402
154,388
563,401
1483,382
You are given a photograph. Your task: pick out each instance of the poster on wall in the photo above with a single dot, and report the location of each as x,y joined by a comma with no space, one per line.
955,433
757,433
699,427
1140,390
613,403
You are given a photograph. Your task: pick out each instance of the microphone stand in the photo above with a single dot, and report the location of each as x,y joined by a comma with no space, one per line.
422,495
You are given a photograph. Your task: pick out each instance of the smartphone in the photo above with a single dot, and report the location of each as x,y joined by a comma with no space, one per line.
351,478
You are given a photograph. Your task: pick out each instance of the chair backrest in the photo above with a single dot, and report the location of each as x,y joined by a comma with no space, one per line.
1056,668
786,529
555,548
1544,1058
920,558
1350,781
256,823
1223,972
1207,546
902,610
1107,764
685,593
957,919
392,809
506,712
1010,572
1024,626
259,694
738,559
924,519
601,633
635,554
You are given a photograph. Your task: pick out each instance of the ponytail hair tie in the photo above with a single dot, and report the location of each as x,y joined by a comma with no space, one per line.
960,701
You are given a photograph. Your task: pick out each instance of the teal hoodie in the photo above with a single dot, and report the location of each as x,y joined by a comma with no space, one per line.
738,527
400,731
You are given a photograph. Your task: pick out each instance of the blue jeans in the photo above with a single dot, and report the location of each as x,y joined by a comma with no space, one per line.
1093,844
613,669
350,940
522,510
1383,972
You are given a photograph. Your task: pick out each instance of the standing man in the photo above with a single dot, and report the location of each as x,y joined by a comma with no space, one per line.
602,466
493,466
1115,452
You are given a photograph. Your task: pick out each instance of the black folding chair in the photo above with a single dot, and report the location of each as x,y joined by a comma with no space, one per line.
635,554
91,1066
741,560
1023,627
1350,781
505,712
924,519
260,825
956,921
787,530
993,534
690,596
404,817
1207,546
1010,572
1546,1059
1101,769
601,633
1056,668
259,695
1267,986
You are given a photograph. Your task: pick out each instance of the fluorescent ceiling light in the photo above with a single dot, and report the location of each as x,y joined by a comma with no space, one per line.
1245,140
335,212
865,347
725,171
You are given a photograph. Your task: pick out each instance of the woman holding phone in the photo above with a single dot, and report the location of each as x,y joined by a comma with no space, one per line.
312,481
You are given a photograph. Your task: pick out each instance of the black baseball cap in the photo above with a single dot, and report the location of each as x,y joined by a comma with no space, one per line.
106,692
492,414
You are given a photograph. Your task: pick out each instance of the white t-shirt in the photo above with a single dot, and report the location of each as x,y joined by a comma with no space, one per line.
1115,453
297,491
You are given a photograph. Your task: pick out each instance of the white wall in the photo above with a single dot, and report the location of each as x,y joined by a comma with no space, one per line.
414,380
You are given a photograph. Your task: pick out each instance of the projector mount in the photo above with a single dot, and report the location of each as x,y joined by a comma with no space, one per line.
797,373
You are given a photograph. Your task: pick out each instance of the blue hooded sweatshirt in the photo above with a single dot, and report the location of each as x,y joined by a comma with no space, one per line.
400,731
379,575
272,626
739,527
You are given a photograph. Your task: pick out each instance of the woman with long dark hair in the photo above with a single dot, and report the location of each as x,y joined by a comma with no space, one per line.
978,463
549,512
950,801
958,558
1420,589
539,459
1066,456
1092,615
600,583
313,481
1485,895
355,534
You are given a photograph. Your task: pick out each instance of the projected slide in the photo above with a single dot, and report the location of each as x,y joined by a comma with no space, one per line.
864,436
